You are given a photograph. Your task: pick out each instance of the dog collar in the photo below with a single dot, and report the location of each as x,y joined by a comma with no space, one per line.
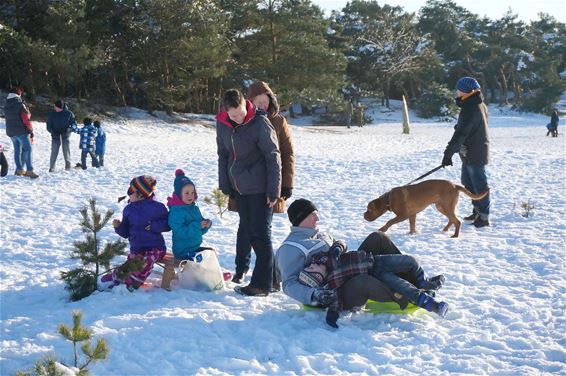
386,198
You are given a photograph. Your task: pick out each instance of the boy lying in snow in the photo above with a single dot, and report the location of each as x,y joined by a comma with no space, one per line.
330,270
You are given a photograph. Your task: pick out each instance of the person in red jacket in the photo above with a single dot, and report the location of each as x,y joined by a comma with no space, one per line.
20,131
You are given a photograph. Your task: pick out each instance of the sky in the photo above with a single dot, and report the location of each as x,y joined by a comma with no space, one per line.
526,9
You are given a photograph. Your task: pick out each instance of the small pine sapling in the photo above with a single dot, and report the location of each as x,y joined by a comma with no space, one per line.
50,366
81,282
527,208
78,334
219,199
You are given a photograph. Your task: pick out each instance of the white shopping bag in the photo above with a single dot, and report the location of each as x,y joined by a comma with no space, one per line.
203,273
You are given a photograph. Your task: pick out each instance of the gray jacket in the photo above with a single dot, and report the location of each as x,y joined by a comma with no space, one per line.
295,254
249,161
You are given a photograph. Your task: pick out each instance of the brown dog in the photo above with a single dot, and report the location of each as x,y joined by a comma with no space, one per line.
405,202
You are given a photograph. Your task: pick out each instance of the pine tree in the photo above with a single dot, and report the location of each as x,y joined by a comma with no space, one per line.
80,334
219,199
50,366
81,282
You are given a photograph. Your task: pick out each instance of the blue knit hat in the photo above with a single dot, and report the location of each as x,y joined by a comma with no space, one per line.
180,181
467,84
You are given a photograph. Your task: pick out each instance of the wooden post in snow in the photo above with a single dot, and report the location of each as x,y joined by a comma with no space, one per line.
406,128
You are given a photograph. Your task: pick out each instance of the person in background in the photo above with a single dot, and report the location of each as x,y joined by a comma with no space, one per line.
471,141
3,162
20,131
87,141
553,125
59,124
249,170
100,143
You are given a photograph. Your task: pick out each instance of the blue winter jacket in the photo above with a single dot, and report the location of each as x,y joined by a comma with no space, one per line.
136,217
100,142
185,222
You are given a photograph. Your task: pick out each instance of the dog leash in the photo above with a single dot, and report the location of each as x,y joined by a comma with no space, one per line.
425,175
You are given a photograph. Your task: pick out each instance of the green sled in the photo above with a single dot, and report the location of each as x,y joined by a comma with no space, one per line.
378,307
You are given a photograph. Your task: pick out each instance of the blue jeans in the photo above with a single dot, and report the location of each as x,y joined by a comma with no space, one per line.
475,181
22,152
386,268
255,230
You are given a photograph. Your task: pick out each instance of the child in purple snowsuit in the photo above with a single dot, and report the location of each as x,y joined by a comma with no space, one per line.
143,221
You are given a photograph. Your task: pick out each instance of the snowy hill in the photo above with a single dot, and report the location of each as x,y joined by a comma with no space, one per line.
506,284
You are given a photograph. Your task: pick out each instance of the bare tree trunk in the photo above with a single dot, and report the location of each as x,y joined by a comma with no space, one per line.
272,31
117,88
386,91
517,91
406,127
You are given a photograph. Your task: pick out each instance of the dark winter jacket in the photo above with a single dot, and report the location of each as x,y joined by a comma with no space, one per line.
249,161
470,137
60,123
100,142
136,217
17,116
283,141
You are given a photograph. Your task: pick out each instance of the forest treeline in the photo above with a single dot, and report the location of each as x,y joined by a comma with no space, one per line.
180,55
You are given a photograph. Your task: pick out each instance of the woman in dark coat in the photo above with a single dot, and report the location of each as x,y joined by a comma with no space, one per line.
471,141
264,99
249,170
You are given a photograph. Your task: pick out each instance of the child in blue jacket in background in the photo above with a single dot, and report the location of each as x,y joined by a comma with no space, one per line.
185,218
86,144
100,143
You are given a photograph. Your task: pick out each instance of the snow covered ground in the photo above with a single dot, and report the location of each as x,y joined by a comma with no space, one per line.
506,284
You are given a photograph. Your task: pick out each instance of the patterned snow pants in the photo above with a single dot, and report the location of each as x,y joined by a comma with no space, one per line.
136,279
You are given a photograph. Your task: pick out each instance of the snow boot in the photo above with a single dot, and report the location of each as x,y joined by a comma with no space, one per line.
479,222
430,304
472,216
425,283
105,282
238,278
251,291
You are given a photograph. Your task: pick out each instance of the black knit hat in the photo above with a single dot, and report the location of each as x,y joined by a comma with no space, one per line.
299,210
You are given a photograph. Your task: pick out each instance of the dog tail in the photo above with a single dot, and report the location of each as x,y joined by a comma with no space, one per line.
473,196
